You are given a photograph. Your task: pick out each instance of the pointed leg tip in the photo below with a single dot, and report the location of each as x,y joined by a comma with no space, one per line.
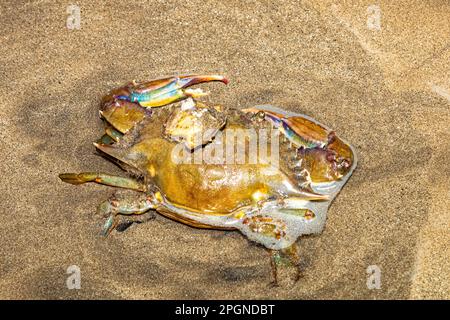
225,80
106,148
100,145
222,79
190,80
109,226
72,178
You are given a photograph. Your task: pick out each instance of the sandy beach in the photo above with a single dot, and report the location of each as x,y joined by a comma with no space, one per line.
378,74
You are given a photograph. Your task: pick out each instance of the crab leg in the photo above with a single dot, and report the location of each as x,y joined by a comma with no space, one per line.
122,115
105,139
102,178
157,93
113,133
278,258
274,258
119,117
114,207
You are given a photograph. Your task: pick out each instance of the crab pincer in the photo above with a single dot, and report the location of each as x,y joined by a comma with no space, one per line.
161,92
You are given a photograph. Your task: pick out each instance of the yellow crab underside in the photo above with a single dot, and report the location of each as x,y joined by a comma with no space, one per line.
266,172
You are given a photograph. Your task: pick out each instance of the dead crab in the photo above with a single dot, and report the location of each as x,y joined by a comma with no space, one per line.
199,165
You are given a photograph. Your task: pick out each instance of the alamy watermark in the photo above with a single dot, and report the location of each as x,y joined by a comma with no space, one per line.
74,19
74,280
231,146
374,277
374,17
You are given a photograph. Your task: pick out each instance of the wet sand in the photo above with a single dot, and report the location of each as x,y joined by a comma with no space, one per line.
386,91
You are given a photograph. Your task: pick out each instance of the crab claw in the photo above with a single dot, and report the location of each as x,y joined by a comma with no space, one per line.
299,130
157,93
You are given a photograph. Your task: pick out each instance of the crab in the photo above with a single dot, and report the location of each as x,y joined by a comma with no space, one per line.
199,165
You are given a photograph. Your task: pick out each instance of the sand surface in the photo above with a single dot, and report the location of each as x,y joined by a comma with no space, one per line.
386,91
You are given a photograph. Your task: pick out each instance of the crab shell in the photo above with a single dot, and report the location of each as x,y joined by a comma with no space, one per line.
270,204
